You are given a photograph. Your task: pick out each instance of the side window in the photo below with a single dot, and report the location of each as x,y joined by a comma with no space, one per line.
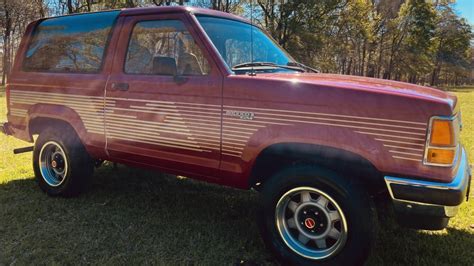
164,47
73,44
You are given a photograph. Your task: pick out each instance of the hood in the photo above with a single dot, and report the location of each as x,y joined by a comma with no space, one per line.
370,84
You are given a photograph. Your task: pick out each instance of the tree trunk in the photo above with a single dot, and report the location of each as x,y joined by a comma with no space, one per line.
131,4
364,55
6,45
434,75
70,9
41,10
388,72
368,68
89,5
349,66
379,64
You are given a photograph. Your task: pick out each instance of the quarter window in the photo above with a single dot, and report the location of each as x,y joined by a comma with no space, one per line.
73,44
164,47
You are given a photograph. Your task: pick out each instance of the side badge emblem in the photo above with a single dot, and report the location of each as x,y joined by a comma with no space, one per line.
240,114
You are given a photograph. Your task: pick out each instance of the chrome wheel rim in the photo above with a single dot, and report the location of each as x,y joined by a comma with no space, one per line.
311,223
53,163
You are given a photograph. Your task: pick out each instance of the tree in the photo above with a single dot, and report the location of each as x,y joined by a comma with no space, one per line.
16,14
415,46
410,40
453,36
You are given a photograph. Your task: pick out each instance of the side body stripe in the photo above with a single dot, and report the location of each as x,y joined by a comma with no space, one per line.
196,126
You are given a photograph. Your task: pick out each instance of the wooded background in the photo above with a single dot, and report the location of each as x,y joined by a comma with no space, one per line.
416,41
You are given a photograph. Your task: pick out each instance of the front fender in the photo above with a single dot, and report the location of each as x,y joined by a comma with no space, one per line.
322,136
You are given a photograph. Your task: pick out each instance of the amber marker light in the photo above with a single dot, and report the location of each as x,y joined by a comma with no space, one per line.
442,133
442,141
440,156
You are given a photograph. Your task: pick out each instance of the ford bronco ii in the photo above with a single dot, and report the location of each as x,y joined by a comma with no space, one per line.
208,95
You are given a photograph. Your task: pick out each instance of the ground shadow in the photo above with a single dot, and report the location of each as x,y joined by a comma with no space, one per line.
130,215
135,216
401,246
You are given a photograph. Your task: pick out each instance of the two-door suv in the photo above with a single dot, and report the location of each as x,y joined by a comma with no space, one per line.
208,95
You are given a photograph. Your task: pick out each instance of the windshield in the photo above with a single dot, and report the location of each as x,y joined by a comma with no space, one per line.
233,41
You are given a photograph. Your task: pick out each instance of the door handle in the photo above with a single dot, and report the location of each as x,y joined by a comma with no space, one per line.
120,86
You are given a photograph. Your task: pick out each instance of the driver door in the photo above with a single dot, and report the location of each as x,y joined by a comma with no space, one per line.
164,98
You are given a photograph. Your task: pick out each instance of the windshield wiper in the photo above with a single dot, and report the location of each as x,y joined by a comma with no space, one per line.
267,64
303,66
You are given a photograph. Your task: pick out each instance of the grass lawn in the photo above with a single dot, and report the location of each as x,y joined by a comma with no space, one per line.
132,216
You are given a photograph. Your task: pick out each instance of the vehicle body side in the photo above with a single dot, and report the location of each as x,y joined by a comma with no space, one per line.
385,128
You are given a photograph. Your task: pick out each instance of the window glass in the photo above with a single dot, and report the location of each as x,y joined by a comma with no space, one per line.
164,47
233,41
73,44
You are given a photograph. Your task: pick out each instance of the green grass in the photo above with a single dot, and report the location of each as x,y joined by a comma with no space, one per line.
132,216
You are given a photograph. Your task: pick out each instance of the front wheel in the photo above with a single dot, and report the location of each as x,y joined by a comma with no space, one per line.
61,164
311,215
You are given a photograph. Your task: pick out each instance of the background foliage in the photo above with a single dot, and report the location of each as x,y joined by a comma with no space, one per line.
410,40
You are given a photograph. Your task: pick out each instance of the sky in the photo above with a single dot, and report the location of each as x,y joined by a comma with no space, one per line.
465,8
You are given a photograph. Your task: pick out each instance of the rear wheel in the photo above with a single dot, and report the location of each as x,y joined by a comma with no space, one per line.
61,164
311,215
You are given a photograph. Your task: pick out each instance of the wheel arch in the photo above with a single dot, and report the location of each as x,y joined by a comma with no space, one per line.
40,123
42,116
348,164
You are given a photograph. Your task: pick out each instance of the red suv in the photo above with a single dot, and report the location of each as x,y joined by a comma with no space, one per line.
208,95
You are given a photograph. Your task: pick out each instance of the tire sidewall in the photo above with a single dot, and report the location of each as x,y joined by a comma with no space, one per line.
352,200
68,141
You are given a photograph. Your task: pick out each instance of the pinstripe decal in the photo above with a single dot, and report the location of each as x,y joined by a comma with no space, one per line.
197,126
403,148
89,108
404,139
326,114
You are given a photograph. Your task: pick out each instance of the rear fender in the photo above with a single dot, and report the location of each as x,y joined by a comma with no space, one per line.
50,113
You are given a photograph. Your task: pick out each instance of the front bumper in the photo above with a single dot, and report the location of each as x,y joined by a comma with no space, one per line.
429,205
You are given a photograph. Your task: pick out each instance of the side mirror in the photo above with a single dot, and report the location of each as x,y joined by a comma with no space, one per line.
163,65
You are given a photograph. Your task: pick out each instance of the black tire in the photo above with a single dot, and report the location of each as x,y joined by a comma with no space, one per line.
356,206
77,162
